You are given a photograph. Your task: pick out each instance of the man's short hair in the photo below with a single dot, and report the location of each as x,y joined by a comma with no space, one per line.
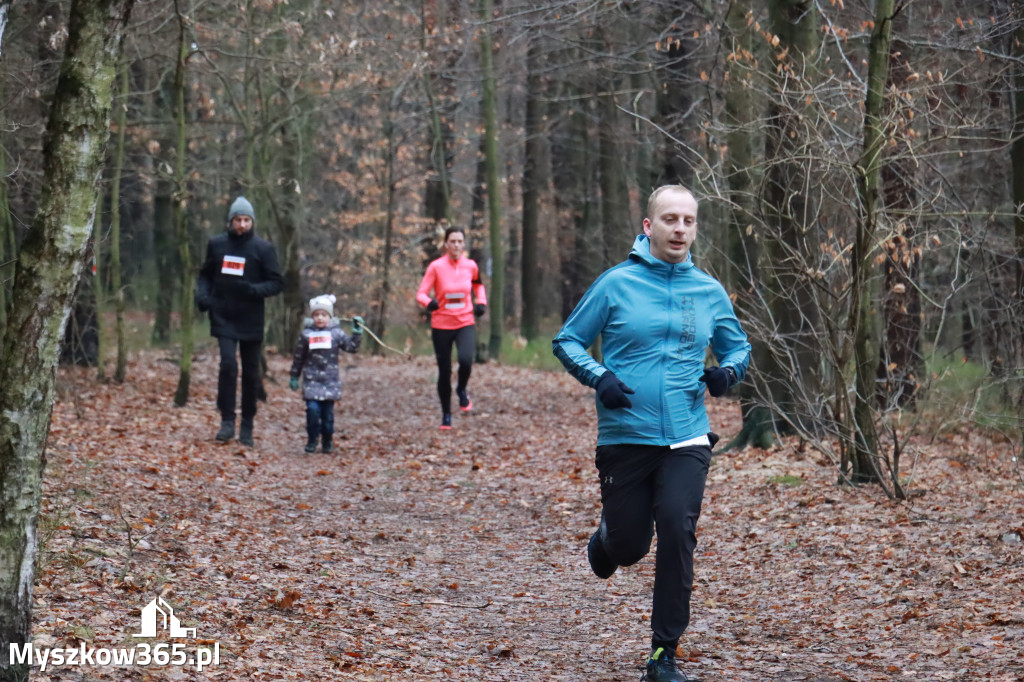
658,192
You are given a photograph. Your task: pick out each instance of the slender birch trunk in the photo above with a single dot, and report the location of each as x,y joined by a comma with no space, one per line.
49,266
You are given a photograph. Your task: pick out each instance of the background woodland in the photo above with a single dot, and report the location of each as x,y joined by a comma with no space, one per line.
860,168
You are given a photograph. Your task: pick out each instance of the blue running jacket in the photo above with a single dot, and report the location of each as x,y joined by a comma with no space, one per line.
656,322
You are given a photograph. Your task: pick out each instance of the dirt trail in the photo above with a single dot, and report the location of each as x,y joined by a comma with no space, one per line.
415,554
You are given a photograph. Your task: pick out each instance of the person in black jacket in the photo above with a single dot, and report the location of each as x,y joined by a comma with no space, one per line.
240,271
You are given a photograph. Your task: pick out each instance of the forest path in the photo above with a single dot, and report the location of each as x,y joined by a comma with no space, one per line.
415,554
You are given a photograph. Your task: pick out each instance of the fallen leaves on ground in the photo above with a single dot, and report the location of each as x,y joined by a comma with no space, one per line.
414,554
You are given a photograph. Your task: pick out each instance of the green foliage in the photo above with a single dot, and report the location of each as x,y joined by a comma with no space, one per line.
515,350
967,391
535,354
138,331
786,480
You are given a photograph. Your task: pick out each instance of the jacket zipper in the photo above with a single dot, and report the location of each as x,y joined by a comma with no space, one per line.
664,348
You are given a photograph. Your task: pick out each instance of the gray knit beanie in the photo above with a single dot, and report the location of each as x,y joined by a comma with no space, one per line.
324,302
241,206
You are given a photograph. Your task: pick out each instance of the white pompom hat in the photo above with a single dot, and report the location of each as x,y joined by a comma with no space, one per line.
325,302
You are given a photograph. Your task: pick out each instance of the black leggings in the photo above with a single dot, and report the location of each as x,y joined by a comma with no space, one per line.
465,344
227,380
643,488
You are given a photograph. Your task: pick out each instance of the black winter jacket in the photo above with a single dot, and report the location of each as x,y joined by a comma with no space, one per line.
239,272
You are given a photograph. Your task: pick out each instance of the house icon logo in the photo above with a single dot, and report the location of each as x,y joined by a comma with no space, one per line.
159,612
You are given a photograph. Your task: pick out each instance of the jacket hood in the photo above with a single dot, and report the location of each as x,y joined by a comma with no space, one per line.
642,252
307,323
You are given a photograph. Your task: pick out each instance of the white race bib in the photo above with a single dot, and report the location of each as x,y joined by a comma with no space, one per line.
317,341
233,265
699,440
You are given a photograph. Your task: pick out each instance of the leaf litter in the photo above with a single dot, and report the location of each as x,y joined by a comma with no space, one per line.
414,554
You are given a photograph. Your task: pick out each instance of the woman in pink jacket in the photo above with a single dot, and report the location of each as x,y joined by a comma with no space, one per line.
455,280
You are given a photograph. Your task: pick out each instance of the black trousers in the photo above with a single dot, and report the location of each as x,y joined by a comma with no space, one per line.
464,340
227,380
646,488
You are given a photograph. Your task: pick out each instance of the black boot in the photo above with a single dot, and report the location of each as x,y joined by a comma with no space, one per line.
310,444
328,442
227,431
245,433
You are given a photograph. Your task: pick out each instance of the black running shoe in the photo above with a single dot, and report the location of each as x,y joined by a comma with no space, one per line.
661,667
600,562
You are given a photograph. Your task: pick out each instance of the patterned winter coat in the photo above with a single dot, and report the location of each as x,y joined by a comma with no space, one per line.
316,360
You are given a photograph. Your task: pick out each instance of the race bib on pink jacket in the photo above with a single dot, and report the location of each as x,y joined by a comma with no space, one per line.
456,286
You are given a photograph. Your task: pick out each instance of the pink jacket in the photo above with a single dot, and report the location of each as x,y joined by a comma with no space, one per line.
453,283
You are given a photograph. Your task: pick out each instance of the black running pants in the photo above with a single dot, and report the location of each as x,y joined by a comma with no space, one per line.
646,488
227,379
464,340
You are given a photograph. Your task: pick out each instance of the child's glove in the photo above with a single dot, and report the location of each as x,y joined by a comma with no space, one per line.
433,305
357,324
479,309
293,383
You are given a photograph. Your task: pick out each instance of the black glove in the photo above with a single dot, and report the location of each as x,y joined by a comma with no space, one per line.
202,302
479,309
718,380
433,305
612,392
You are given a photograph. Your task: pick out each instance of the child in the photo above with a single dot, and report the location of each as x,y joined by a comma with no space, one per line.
316,360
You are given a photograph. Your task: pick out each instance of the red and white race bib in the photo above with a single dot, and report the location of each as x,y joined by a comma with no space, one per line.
455,301
320,340
233,265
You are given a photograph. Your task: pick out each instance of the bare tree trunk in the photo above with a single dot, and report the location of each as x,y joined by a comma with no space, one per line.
787,352
81,334
744,249
8,250
389,220
99,295
180,218
49,266
586,251
674,98
619,229
496,296
163,224
864,322
438,192
901,362
1017,154
532,182
115,229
